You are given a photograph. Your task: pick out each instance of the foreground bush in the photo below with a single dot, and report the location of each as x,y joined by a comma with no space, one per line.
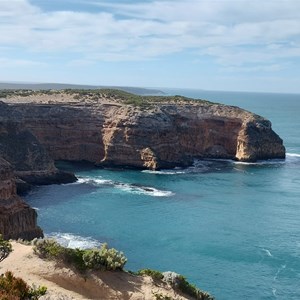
95,259
104,259
14,288
179,283
156,275
5,248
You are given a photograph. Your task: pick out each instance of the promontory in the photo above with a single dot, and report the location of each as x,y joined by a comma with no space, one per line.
113,128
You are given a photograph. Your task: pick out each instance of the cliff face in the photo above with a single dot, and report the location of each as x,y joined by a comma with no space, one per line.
28,157
17,219
165,134
103,128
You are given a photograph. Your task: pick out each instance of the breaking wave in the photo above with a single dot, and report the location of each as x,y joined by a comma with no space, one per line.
70,240
127,187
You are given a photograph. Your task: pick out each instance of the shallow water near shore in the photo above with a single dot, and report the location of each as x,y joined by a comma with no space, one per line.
231,228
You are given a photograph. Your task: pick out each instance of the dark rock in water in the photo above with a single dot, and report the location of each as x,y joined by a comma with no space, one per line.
23,187
46,178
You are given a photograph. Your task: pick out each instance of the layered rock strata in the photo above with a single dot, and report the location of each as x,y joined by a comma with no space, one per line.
161,134
30,160
17,219
113,128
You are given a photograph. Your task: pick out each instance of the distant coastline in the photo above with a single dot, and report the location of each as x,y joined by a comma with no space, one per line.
63,86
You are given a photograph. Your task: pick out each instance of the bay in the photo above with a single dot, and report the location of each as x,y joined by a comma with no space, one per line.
231,228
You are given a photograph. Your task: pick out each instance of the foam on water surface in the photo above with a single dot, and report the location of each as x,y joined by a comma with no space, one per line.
70,240
126,187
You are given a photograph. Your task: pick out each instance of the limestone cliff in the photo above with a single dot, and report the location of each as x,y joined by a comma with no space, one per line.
112,128
17,219
29,159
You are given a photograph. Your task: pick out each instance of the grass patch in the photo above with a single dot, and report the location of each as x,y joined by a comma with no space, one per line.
119,96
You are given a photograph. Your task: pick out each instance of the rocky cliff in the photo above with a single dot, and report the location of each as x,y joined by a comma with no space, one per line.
113,128
30,160
17,219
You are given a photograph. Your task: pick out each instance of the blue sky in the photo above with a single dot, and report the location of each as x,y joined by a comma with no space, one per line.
236,45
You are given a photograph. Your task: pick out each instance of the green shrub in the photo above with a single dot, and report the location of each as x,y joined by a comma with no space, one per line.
48,248
14,288
5,248
159,296
95,259
104,259
191,290
156,275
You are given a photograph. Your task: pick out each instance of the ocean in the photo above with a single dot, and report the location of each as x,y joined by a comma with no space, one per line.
231,228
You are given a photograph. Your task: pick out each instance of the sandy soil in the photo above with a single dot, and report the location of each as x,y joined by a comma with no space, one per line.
66,284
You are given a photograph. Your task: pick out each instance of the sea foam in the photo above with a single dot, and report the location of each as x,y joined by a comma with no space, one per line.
127,187
70,240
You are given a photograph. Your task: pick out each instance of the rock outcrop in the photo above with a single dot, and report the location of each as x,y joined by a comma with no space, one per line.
117,129
29,159
17,219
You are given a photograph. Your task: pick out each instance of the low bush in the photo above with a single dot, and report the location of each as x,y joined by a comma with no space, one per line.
156,275
160,296
5,248
106,259
191,290
14,288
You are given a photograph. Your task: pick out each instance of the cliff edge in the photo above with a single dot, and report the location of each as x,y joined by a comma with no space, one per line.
65,283
115,128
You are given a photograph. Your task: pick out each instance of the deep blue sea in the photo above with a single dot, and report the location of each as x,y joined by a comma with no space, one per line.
231,228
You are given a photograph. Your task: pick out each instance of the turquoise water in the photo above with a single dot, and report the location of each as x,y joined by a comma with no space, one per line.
231,228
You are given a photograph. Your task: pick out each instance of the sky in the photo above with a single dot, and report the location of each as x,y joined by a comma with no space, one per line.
230,45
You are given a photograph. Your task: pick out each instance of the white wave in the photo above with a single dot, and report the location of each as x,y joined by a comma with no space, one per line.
282,267
95,181
145,190
131,188
275,161
292,155
267,252
165,172
70,240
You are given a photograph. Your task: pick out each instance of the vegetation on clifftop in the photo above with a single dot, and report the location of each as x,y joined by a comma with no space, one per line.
104,258
15,288
5,248
96,95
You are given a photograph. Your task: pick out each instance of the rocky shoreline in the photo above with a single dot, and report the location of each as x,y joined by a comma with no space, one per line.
112,128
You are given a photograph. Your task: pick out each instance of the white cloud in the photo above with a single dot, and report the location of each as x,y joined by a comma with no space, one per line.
233,32
8,62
